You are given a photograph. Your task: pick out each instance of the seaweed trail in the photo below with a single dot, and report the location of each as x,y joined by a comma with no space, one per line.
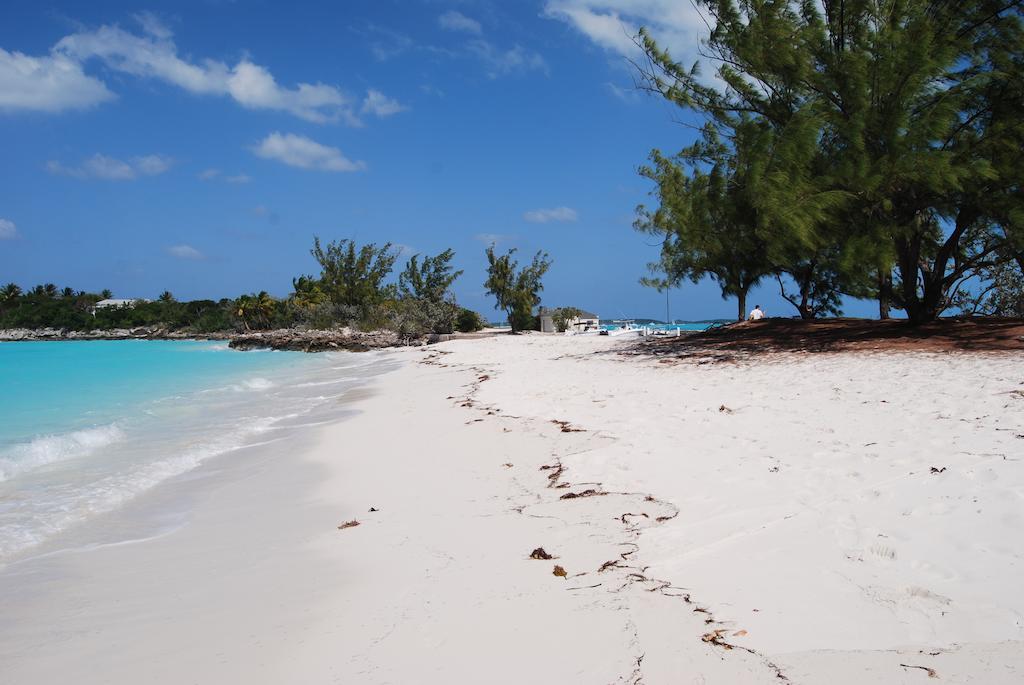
632,521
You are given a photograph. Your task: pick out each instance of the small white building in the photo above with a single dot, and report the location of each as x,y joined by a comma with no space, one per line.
585,321
116,303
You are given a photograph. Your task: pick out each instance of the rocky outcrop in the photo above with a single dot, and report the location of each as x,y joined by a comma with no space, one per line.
139,333
319,341
281,339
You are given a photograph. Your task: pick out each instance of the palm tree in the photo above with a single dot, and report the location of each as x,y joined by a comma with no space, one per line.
67,293
308,292
264,305
106,294
242,307
166,296
9,292
50,290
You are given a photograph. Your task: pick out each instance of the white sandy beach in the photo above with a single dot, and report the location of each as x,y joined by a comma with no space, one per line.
833,518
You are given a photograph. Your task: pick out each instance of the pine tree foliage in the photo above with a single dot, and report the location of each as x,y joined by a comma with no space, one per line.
354,277
892,135
515,290
429,280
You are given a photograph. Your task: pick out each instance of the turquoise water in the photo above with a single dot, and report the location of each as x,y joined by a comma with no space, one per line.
51,387
86,427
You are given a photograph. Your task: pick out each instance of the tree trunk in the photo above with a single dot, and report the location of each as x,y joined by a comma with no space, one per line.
884,294
935,283
805,310
742,299
908,257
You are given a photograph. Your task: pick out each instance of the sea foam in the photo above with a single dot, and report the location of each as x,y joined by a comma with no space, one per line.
49,449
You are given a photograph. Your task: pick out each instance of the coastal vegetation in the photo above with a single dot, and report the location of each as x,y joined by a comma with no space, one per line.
562,316
354,289
857,147
516,290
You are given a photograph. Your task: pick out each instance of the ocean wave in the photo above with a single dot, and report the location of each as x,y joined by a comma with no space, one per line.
48,449
253,384
332,381
117,489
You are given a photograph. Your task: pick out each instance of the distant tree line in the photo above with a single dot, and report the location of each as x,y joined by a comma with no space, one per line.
47,306
868,148
354,288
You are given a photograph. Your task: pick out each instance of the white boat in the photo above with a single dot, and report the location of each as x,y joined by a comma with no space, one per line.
626,327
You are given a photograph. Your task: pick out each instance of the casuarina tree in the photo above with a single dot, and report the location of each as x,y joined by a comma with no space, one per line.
516,291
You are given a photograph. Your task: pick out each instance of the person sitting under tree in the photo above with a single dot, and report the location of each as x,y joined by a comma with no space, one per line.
756,314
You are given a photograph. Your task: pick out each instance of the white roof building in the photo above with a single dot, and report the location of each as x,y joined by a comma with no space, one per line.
116,302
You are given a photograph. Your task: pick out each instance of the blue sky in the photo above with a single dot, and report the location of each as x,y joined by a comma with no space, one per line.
198,146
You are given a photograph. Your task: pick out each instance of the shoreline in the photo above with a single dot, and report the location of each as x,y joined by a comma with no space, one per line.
744,522
285,339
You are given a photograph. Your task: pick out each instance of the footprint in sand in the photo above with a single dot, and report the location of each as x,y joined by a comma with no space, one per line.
883,552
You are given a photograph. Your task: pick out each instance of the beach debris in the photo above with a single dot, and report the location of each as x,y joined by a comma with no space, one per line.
935,470
556,473
373,509
739,633
930,671
629,513
539,553
507,465
773,469
724,409
483,378
348,524
589,492
614,563
567,427
559,571
715,638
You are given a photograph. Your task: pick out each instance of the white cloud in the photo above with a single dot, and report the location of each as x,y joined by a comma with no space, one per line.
8,231
152,24
305,153
215,174
153,165
185,252
49,84
386,44
612,24
457,21
379,104
624,94
543,216
500,62
155,55
113,169
494,238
